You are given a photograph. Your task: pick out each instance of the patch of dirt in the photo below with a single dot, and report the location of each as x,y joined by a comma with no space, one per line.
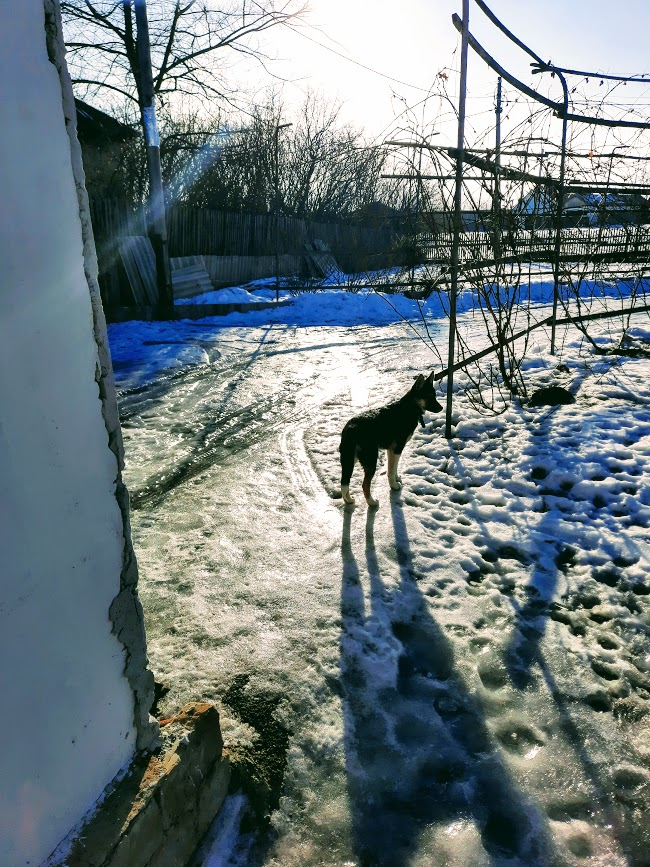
258,769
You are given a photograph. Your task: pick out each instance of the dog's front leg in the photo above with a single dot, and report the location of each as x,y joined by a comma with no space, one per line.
347,496
393,479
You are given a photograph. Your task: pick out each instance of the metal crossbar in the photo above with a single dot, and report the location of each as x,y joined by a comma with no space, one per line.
567,320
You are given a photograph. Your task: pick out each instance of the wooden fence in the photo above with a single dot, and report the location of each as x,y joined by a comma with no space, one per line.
237,270
239,237
243,247
618,244
194,231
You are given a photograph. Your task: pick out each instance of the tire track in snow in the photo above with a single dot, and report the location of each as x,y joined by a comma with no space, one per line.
237,430
214,442
307,486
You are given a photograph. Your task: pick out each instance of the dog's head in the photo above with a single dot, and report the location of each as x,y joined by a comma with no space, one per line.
424,392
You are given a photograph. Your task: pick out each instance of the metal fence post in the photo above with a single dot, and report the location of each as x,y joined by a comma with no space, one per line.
455,249
560,209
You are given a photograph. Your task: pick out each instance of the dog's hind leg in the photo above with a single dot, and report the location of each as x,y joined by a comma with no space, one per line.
393,479
368,460
347,450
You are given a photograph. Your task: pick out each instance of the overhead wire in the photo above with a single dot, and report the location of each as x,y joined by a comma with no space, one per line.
347,57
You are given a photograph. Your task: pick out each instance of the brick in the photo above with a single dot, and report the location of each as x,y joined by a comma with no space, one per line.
177,795
143,838
201,721
213,794
180,843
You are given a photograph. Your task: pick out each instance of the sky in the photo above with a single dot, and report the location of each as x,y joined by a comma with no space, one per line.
408,44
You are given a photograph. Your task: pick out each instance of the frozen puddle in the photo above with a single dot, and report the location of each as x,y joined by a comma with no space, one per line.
461,677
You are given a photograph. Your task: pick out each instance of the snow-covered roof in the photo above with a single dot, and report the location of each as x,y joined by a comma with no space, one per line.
543,201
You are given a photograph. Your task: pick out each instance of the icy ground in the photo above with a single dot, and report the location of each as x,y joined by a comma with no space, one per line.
461,677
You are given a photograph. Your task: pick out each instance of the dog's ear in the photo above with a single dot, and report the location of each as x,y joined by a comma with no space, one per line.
419,382
430,378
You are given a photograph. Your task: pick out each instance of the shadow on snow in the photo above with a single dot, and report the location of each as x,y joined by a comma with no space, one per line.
418,753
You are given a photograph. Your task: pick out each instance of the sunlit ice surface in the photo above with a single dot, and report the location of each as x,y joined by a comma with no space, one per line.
462,674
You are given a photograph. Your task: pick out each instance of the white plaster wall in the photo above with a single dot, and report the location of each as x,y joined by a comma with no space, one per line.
66,708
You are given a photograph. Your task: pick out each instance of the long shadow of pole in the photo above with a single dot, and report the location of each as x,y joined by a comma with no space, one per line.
418,752
524,650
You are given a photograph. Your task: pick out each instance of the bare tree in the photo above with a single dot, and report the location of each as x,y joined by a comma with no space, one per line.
332,172
325,169
189,44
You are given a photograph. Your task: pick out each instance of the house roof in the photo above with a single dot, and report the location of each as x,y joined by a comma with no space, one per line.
96,127
542,201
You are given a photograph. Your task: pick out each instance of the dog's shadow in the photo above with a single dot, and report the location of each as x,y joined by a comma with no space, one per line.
418,753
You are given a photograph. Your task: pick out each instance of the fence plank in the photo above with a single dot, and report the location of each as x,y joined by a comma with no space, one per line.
140,265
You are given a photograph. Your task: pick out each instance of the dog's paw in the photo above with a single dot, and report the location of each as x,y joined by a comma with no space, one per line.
347,496
396,485
372,503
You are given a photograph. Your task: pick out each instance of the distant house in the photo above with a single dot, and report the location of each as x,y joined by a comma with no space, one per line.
616,209
104,140
538,209
95,127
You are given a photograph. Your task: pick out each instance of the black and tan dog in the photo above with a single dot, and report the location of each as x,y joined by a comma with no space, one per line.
389,427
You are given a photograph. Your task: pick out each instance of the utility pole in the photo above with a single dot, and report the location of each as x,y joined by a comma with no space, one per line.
157,225
458,217
276,207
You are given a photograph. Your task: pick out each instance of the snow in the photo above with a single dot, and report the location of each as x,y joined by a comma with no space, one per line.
232,295
465,671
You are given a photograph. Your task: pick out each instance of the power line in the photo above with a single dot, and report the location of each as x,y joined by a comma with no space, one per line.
357,62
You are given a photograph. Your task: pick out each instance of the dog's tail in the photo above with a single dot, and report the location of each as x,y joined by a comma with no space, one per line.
347,450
